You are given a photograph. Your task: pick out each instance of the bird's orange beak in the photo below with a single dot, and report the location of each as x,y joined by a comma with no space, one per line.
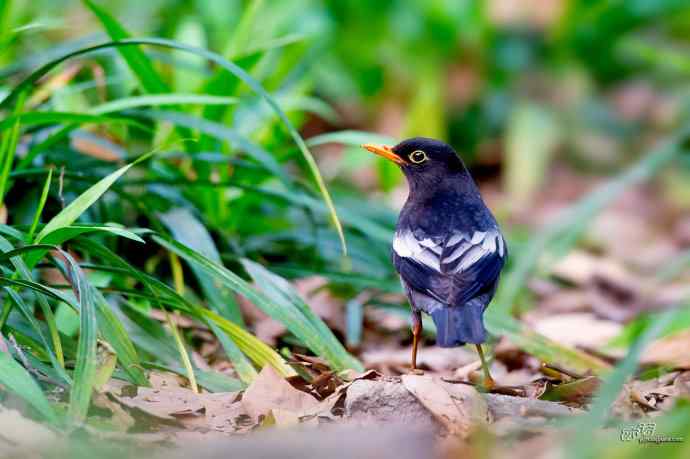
385,151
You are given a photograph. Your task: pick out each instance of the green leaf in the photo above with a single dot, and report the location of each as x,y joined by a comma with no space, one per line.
544,349
41,205
351,138
22,271
565,232
230,280
229,66
587,424
66,233
86,365
221,132
69,214
289,308
126,103
41,118
16,379
8,148
135,57
354,317
29,317
532,137
115,334
187,230
255,349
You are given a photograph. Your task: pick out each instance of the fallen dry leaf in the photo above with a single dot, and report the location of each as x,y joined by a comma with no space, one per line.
671,350
120,419
582,268
165,380
270,391
458,407
577,329
165,404
222,413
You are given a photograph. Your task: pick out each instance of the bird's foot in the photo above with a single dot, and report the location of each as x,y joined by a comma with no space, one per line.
483,383
488,384
416,371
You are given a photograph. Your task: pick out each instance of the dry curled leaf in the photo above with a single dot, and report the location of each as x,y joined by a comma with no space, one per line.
458,407
270,391
165,404
671,350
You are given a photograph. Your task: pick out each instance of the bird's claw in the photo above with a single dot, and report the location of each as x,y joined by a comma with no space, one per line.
488,384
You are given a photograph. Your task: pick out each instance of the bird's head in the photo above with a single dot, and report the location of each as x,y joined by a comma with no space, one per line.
422,160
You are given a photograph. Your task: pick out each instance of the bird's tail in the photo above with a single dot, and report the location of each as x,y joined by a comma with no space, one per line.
457,325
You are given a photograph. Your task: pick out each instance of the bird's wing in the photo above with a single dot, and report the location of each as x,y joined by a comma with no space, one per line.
451,269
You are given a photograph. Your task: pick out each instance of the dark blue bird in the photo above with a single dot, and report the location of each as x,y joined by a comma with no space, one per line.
448,248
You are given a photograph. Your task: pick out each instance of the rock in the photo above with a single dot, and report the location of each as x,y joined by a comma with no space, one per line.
386,402
502,406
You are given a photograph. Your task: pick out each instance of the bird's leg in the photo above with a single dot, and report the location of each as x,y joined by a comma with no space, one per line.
416,333
488,380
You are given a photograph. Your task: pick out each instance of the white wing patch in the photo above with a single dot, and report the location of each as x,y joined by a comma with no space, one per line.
424,251
461,250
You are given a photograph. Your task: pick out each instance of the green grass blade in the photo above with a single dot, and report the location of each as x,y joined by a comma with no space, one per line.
9,149
229,66
115,334
39,208
587,425
55,137
258,351
16,379
222,83
186,229
66,233
235,283
22,271
60,235
255,349
41,118
221,132
569,228
544,349
182,351
136,59
29,317
241,36
85,366
38,288
350,137
299,318
77,207
127,103
354,318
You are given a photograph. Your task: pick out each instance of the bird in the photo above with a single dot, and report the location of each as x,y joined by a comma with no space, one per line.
448,248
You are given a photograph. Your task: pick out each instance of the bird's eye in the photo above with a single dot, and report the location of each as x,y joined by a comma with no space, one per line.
418,156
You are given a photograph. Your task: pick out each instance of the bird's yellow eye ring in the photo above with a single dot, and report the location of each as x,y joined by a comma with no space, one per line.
418,156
